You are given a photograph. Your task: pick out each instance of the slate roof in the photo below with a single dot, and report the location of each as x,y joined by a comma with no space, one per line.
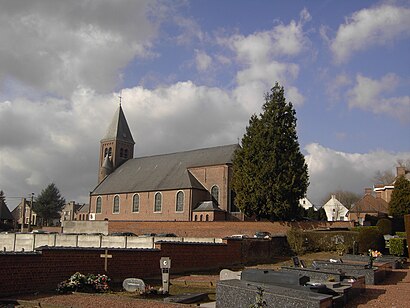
207,206
163,172
5,213
370,204
118,128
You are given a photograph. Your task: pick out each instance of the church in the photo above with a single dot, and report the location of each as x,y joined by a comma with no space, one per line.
191,185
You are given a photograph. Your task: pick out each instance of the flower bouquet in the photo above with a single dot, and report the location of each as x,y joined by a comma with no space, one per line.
373,254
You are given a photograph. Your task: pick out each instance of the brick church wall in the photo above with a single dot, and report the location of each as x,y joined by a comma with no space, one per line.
42,271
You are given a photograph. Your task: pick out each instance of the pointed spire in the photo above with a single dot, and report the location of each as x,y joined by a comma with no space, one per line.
118,128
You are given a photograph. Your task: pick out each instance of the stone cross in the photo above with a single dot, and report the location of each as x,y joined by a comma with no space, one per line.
106,256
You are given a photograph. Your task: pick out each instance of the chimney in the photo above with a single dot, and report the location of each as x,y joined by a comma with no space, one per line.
400,171
368,191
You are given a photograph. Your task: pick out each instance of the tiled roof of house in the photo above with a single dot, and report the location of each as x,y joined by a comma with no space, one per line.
370,204
163,172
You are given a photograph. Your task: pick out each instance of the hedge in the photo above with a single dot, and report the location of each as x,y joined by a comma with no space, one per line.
398,247
311,241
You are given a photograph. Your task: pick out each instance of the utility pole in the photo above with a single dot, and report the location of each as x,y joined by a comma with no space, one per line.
23,215
31,209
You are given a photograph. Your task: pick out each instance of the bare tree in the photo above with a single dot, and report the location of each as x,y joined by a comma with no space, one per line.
383,177
347,198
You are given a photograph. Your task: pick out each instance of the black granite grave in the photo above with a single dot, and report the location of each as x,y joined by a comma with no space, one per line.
372,275
395,262
243,294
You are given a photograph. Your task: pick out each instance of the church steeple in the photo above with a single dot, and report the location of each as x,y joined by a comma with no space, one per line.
116,146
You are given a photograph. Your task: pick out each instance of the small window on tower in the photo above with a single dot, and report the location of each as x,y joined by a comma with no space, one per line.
109,151
125,153
121,152
105,152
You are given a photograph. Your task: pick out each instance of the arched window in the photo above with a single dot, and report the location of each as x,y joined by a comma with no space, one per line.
158,202
105,152
98,205
121,152
110,151
215,193
196,218
179,207
200,217
136,203
116,207
125,153
207,217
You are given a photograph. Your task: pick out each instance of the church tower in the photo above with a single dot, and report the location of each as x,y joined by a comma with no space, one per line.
116,147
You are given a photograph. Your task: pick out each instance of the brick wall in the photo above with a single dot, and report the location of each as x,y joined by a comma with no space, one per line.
42,271
217,228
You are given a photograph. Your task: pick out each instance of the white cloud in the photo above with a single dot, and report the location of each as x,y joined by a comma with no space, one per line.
370,95
331,170
260,54
379,25
55,46
203,61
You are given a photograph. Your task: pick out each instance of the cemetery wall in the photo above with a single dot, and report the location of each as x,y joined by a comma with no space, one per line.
219,228
43,270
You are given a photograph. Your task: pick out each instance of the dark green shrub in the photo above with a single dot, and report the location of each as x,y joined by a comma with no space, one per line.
385,226
296,239
397,247
401,234
370,238
311,241
357,229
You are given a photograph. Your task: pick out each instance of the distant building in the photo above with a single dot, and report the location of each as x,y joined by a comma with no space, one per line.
384,191
83,212
368,205
22,211
74,211
335,210
183,186
5,214
306,204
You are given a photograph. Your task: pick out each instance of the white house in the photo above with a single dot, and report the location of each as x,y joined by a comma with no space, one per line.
305,203
335,210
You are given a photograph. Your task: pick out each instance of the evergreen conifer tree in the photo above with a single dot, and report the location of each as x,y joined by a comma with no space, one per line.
399,204
270,173
49,203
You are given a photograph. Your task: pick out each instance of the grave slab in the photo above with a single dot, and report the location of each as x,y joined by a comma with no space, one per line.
372,275
187,298
242,294
274,277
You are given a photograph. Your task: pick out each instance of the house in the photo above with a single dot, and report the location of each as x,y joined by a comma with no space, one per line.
368,205
5,214
335,210
191,185
74,211
306,204
22,213
384,191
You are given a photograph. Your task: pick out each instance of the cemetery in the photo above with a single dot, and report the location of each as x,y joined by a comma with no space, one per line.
237,271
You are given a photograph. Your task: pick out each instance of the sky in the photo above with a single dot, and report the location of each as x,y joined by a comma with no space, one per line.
190,74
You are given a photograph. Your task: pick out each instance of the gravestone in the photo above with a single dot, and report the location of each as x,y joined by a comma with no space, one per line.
274,277
226,274
165,265
133,285
296,261
242,294
372,275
